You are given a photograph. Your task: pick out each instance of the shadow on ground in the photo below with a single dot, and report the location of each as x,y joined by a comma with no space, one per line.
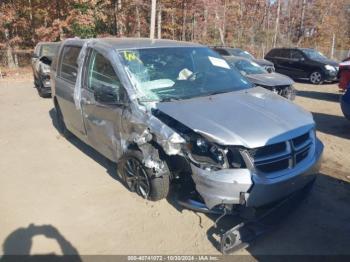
17,246
319,226
332,124
89,151
330,97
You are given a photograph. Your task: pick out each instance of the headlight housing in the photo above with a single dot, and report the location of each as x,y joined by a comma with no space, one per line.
330,68
45,69
211,156
206,154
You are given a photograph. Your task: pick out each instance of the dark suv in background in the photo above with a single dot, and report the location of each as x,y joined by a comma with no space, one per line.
42,57
229,51
303,63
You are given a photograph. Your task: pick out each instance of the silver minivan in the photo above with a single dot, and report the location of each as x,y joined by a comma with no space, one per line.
168,111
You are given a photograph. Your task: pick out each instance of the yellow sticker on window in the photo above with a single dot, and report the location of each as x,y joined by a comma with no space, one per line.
130,56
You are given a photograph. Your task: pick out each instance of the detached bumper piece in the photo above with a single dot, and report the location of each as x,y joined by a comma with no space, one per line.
241,235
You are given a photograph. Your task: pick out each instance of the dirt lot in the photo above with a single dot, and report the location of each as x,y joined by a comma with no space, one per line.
69,194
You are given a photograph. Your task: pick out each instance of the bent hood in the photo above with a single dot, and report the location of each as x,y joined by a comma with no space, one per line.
250,118
270,79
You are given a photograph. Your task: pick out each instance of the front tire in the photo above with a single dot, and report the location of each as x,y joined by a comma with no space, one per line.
141,179
316,78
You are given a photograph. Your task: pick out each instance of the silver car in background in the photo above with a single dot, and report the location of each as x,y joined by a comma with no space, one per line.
275,82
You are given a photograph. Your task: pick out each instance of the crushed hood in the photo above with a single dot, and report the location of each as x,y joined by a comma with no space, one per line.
250,118
270,79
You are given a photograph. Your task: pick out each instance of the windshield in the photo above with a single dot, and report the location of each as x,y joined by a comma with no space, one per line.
241,53
314,54
249,67
161,74
48,50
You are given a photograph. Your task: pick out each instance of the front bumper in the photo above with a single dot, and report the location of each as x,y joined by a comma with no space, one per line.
331,76
45,86
243,186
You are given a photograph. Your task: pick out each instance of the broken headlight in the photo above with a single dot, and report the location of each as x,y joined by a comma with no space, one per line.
45,69
206,154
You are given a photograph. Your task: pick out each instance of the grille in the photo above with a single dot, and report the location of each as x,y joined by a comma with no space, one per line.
281,156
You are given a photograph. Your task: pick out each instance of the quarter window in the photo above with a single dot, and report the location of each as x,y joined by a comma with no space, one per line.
69,65
101,72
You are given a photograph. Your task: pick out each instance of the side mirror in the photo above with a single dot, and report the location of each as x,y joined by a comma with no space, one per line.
107,95
301,59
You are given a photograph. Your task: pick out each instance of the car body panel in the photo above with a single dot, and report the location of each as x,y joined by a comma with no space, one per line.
270,79
204,115
250,118
345,103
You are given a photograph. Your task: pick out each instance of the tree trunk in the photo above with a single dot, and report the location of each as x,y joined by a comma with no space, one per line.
9,55
205,31
115,18
153,19
138,21
277,22
31,20
159,22
120,23
173,23
184,14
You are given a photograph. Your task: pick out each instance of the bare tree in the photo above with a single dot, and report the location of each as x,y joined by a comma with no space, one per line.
277,23
153,19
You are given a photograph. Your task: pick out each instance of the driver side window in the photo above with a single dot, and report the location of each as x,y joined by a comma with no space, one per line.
101,73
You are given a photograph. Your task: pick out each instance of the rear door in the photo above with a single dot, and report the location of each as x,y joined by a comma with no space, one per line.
282,62
65,84
298,64
102,121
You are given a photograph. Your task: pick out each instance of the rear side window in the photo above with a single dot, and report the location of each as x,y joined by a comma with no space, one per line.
101,72
273,53
69,66
222,51
285,53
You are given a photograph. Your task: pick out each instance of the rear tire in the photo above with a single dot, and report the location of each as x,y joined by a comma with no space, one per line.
316,78
140,179
61,126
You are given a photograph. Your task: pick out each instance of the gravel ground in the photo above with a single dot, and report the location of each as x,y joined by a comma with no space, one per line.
60,196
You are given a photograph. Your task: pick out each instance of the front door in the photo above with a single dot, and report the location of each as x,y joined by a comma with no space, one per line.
102,120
